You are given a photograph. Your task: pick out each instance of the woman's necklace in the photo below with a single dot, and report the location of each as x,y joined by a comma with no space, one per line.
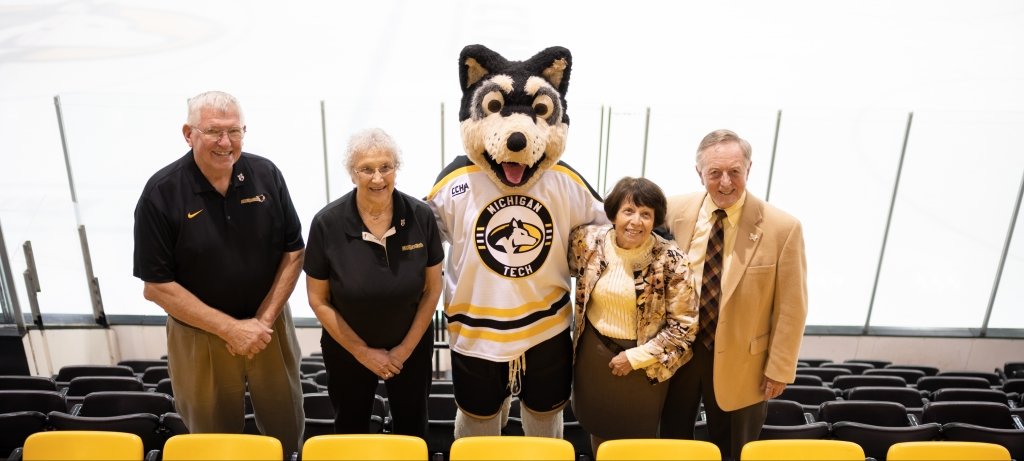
377,216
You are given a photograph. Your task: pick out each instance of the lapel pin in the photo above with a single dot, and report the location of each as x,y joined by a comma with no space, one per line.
241,177
754,237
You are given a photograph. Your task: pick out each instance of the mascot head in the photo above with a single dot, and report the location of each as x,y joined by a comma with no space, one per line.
513,115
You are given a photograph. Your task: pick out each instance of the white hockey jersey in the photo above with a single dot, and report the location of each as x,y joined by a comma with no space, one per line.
507,277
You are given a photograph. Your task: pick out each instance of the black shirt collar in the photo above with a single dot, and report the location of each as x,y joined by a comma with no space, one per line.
353,224
241,173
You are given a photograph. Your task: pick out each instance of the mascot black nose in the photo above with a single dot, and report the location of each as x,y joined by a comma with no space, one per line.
516,142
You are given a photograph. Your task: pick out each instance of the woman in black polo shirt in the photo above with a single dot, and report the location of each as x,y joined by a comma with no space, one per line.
373,275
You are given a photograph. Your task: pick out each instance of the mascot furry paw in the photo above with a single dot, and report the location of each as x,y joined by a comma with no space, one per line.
506,208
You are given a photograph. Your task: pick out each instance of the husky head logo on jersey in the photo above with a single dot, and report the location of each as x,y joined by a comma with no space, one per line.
513,116
513,235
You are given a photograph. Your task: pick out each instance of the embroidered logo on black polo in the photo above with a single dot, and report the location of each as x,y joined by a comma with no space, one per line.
258,198
414,246
513,235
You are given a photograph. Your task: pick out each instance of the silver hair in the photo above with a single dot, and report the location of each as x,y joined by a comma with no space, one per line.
369,140
717,137
217,100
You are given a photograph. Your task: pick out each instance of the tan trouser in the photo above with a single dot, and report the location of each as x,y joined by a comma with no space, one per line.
209,383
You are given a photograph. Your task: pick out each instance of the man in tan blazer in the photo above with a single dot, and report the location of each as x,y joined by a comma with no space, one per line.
762,303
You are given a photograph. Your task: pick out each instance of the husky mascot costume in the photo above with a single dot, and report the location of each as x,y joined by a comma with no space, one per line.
506,208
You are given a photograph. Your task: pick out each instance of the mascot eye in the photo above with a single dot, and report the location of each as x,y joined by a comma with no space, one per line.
542,106
492,102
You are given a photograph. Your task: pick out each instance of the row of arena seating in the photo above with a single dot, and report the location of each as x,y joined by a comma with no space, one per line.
828,370
875,426
151,415
846,386
123,446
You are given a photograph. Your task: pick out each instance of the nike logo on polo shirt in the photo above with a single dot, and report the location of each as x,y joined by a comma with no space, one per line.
195,213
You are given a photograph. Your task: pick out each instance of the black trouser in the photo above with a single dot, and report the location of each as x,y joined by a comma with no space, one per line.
352,387
730,430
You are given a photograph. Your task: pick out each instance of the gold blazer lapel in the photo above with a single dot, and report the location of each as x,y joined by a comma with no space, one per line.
682,224
748,237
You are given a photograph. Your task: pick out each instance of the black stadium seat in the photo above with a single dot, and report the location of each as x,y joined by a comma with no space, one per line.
319,415
441,424
910,376
854,367
164,387
1014,385
851,381
934,383
140,366
926,369
787,420
173,423
826,374
875,426
442,386
887,414
134,412
978,422
992,378
872,362
145,425
814,362
152,376
808,396
15,427
911,399
27,383
115,403
956,394
808,380
81,386
69,372
309,386
32,400
310,368
320,378
1013,370
986,414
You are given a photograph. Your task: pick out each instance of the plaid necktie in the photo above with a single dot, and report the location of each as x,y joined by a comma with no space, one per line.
711,280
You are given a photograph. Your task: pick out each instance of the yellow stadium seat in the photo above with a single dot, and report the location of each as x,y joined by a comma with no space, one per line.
511,448
657,450
801,450
82,446
952,451
217,447
370,447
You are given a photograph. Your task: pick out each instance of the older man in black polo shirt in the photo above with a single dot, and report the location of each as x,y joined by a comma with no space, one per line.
219,247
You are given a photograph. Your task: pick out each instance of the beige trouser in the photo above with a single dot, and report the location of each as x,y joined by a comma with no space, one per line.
209,383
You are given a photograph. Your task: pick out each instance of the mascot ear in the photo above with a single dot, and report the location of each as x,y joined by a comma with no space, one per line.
554,64
477,61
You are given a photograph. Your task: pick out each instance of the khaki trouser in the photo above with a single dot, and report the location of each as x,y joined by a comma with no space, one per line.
210,384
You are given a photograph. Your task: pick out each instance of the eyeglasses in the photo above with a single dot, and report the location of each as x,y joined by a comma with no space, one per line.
234,134
368,172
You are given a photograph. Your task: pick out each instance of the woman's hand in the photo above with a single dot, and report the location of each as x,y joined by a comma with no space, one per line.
620,364
379,362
